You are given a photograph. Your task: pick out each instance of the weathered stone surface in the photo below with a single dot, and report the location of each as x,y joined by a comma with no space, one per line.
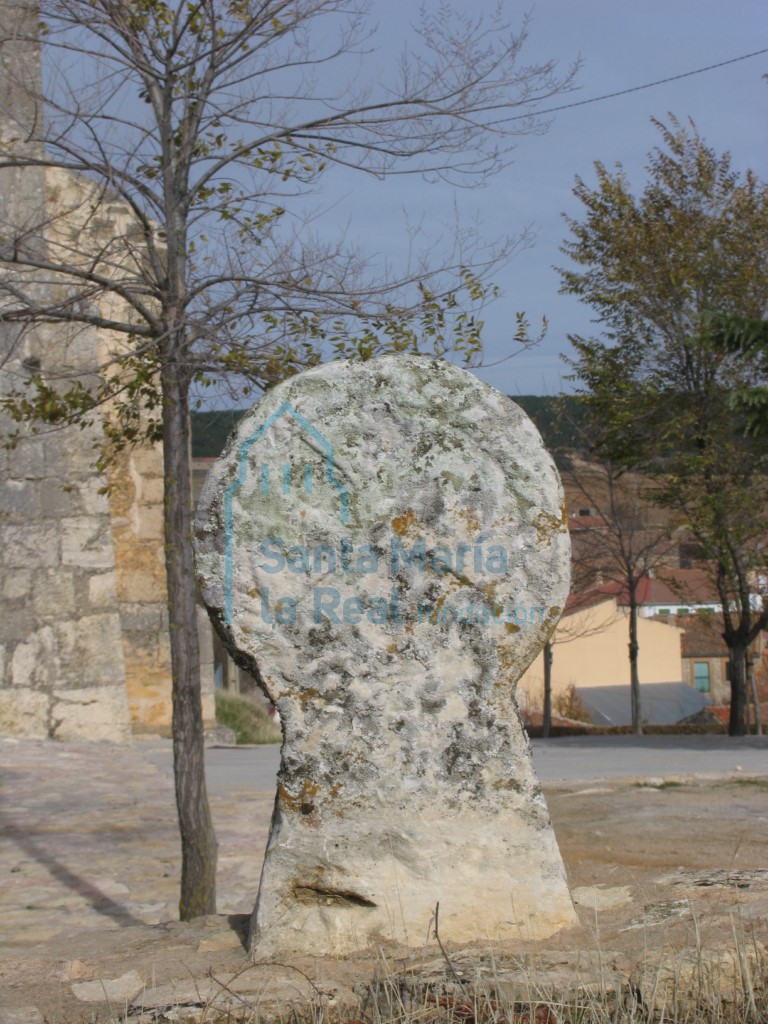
26,546
20,498
17,584
22,1015
384,543
27,461
96,637
33,663
23,712
12,623
86,542
598,897
124,989
93,713
101,590
54,594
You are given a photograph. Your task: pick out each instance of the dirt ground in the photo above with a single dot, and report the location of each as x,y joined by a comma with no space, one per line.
660,869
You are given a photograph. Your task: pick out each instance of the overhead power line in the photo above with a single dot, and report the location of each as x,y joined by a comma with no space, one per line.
638,88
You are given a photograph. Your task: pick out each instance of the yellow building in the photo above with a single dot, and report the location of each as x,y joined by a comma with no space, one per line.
590,649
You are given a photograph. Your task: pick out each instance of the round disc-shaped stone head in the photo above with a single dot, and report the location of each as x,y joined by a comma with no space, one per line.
383,544
398,510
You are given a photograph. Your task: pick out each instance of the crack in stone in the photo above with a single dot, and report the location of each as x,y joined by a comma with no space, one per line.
321,894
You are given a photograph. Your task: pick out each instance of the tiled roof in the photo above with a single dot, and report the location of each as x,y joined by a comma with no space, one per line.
678,587
672,587
703,635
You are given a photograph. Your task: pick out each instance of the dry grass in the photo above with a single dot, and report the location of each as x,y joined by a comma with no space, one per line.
697,986
247,718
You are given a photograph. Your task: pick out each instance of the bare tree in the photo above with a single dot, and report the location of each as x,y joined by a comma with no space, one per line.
570,627
629,538
566,632
210,124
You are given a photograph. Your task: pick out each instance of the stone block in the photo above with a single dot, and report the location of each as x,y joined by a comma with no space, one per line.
149,523
95,713
93,502
98,651
56,501
22,1015
122,487
29,545
79,350
54,594
27,460
141,585
147,461
23,712
70,454
17,584
384,543
20,499
16,623
102,590
118,990
152,490
145,619
151,714
209,708
147,657
34,662
86,541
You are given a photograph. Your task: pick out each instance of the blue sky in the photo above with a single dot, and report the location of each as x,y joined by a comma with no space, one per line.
621,45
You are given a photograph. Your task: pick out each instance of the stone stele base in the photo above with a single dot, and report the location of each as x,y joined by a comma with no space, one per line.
383,544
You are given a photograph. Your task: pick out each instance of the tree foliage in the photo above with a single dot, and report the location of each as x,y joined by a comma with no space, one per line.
748,336
655,268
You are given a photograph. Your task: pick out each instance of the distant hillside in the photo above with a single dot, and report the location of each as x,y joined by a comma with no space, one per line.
557,419
210,431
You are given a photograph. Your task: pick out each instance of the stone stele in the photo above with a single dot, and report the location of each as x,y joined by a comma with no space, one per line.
383,545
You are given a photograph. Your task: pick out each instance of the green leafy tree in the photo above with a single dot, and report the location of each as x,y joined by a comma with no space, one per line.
748,336
654,268
205,127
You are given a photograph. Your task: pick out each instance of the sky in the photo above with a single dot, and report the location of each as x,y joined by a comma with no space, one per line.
621,45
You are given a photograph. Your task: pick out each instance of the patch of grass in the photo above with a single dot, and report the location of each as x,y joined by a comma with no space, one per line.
248,719
666,784
758,783
569,704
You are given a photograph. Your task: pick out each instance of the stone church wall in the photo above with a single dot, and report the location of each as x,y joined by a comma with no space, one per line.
84,648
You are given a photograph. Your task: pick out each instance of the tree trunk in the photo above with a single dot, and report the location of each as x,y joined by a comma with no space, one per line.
198,842
546,724
755,703
737,725
634,676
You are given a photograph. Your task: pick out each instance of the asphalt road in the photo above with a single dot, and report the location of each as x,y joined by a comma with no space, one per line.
230,769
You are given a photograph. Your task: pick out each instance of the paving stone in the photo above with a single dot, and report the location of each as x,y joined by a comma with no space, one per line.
122,989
